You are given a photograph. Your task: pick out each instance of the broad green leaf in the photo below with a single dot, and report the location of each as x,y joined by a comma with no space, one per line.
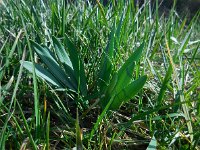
65,60
49,59
109,91
123,77
106,64
104,74
77,66
152,144
47,132
61,52
126,71
128,92
42,73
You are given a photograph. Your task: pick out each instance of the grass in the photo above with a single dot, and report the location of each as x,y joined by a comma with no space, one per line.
87,76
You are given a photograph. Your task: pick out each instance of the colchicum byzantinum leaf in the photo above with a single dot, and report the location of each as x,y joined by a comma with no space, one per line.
62,69
65,70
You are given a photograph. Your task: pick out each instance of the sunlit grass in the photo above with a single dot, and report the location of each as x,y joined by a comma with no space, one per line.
109,48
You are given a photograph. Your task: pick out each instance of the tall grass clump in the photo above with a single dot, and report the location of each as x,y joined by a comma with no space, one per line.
90,75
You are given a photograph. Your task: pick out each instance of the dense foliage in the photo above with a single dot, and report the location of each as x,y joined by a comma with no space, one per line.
94,75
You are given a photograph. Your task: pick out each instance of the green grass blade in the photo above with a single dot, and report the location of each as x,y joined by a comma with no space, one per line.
10,55
111,42
106,108
63,18
164,85
36,100
3,141
102,11
184,43
47,132
117,34
79,145
13,100
13,48
27,127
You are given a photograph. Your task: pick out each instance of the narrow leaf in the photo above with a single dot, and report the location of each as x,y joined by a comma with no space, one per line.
183,44
106,65
63,57
61,52
42,73
152,144
49,59
164,85
106,108
79,144
126,71
47,132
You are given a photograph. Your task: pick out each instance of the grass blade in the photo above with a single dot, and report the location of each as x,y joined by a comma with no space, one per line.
164,85
79,145
47,132
36,100
100,118
27,127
